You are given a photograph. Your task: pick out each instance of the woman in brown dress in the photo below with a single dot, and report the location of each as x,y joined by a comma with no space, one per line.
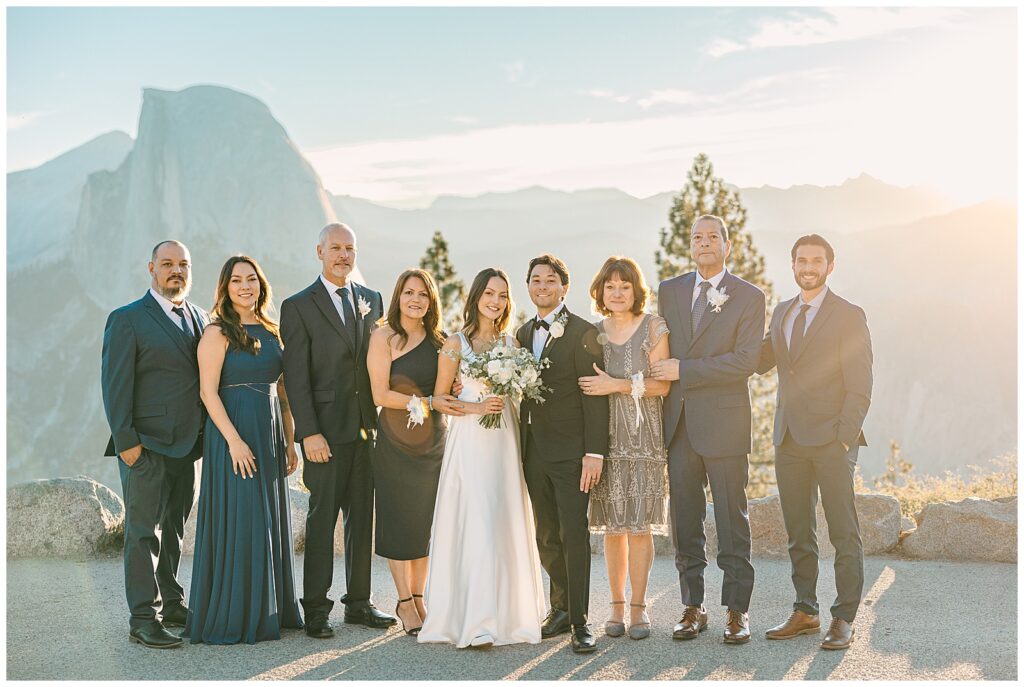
630,502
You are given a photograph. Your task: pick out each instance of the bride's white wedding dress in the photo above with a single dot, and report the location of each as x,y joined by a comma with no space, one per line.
483,577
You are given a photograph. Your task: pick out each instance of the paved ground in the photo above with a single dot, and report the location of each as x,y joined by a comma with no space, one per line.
920,621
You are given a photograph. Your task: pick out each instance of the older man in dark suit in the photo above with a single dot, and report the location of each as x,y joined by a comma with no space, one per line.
150,383
822,347
326,330
716,323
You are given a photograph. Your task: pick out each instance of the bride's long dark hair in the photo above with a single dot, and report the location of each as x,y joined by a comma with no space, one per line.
471,314
225,315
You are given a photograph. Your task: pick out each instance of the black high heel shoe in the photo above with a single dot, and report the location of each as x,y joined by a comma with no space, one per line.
412,632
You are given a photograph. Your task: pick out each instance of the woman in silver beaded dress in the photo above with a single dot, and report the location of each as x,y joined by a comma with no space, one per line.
630,502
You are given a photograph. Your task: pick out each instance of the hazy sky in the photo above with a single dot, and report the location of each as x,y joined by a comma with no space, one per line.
403,104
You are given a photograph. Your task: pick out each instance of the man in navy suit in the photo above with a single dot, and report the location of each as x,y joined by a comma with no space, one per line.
716,322
150,380
822,347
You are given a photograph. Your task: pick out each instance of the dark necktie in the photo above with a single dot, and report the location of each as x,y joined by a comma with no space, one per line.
350,316
700,306
796,339
540,324
186,330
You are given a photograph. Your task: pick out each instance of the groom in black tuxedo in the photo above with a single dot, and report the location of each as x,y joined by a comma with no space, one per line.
326,329
564,443
150,382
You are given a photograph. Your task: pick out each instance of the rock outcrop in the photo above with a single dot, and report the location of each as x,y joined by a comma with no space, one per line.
72,518
970,530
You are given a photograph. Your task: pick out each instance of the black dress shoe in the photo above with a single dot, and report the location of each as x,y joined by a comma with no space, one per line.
370,617
155,636
556,623
318,627
175,616
583,641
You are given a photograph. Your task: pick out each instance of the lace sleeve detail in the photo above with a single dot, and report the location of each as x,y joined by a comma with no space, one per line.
657,327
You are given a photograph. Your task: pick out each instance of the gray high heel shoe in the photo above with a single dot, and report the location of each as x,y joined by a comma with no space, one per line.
614,628
640,630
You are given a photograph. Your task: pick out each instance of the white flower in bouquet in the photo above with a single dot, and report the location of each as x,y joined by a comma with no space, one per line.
510,372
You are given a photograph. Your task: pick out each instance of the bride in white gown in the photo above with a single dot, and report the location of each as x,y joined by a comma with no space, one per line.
483,581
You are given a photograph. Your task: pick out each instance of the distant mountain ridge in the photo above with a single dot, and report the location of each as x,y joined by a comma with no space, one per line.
210,167
42,202
215,169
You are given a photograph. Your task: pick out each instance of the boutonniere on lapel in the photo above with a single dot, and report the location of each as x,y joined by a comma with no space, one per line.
557,327
717,298
364,307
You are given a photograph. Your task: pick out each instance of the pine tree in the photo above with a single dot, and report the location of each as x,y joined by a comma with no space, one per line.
704,193
451,289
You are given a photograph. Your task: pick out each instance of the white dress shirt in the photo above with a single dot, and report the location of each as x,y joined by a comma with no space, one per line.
715,281
173,316
540,336
794,310
332,290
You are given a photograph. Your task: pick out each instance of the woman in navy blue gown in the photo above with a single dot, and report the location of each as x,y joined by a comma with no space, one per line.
243,582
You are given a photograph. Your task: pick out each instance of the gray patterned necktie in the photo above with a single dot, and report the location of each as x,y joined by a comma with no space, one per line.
700,306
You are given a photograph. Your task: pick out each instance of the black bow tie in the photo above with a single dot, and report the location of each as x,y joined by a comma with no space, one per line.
541,324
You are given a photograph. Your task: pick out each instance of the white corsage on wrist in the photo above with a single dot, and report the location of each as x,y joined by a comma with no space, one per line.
637,388
717,298
417,411
364,307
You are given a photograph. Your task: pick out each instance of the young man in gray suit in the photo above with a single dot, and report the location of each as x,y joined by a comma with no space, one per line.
822,347
150,382
716,322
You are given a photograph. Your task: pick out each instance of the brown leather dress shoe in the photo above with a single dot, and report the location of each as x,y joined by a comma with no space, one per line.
799,623
737,628
695,621
839,635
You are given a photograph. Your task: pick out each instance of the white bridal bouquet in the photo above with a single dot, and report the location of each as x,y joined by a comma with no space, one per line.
509,372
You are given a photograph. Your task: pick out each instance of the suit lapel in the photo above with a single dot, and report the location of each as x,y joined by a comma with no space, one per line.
324,301
709,315
197,318
778,332
362,325
685,297
551,339
827,307
164,322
